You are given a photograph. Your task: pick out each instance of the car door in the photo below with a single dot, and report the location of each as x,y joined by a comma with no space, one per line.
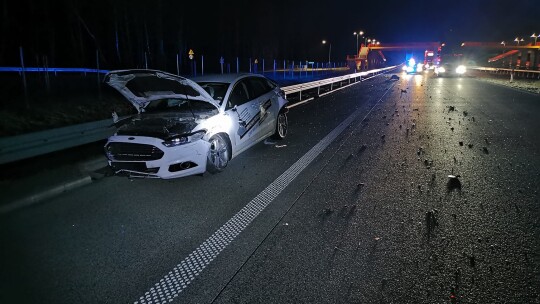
245,114
263,99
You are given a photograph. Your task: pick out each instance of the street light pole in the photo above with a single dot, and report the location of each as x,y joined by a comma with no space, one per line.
360,33
356,34
329,50
535,37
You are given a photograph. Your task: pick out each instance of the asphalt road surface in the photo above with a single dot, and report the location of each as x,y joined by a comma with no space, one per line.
355,206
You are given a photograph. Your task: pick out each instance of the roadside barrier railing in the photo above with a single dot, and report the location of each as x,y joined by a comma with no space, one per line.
24,146
534,74
307,91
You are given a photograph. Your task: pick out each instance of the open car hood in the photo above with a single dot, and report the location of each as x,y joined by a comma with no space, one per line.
142,86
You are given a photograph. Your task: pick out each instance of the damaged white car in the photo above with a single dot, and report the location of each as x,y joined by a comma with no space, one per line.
184,128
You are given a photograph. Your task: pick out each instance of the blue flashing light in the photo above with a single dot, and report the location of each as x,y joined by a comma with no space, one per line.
412,62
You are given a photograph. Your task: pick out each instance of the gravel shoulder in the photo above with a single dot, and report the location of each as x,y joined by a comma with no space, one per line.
531,85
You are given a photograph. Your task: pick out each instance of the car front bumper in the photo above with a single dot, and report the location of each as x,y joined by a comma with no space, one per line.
148,157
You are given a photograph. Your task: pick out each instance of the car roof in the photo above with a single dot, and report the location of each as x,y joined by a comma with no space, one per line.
225,78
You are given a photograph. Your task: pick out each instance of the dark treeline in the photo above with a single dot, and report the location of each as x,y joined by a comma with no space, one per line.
128,33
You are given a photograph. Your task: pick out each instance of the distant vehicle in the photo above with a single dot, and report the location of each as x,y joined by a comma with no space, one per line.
431,59
412,67
450,69
184,128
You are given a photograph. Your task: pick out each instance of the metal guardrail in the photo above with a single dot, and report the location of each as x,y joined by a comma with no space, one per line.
527,73
38,143
318,84
24,146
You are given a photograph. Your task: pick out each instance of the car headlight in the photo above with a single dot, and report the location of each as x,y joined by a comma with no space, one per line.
461,69
441,70
404,68
184,139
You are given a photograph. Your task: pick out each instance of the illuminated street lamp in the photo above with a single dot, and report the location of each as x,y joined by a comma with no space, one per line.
503,43
329,49
535,37
360,33
518,40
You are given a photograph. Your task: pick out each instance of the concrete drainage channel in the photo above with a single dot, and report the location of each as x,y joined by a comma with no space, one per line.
57,182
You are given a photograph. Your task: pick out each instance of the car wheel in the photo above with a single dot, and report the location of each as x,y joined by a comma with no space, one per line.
218,155
282,126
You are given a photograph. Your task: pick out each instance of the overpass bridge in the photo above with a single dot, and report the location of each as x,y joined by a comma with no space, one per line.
512,56
371,55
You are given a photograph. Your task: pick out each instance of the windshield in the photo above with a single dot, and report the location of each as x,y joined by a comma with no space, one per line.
178,105
216,89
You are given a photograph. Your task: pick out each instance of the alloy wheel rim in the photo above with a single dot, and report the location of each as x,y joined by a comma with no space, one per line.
282,125
219,155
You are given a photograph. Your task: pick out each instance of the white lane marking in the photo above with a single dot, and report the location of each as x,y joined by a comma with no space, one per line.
172,284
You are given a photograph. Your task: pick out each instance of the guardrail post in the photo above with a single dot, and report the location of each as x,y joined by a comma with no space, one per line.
97,74
24,77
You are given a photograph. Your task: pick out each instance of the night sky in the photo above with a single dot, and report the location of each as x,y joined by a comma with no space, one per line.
68,33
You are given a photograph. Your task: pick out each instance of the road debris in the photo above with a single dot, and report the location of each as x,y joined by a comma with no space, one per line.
453,182
472,261
327,211
337,248
431,220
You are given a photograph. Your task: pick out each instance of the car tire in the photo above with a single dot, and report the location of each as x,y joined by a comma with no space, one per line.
282,126
219,154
